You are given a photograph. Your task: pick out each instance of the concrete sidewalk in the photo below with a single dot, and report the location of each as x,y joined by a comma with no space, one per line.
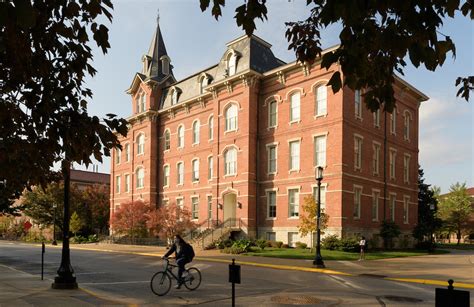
429,269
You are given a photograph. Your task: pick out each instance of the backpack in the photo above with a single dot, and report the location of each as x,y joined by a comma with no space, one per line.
189,251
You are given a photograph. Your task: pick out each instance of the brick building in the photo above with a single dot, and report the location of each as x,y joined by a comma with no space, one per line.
240,140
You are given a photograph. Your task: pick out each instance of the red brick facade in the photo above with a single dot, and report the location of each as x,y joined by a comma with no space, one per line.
245,195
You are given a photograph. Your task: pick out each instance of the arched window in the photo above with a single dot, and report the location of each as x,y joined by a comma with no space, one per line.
127,152
180,172
211,128
231,118
165,65
174,97
140,144
321,100
181,136
196,129
118,154
140,175
231,63
195,170
167,140
142,103
406,126
166,175
272,114
202,84
295,107
230,161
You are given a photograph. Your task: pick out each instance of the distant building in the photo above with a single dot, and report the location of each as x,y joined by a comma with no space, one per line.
239,142
83,179
467,237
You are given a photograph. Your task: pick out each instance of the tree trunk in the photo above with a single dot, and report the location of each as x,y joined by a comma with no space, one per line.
458,235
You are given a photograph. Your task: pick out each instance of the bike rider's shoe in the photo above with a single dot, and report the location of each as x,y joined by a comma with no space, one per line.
180,283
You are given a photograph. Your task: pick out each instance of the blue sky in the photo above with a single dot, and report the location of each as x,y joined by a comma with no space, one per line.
194,41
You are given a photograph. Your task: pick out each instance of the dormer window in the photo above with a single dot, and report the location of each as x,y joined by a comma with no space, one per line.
141,102
231,61
204,80
165,64
174,92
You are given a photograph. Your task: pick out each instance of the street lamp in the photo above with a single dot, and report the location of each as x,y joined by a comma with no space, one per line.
318,261
54,225
432,208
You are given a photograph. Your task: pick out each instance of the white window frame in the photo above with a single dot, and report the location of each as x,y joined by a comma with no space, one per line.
392,163
406,168
295,107
127,152
196,127
270,205
358,104
231,64
377,118
167,140
393,122
358,141
140,144
166,175
174,97
195,170
314,191
126,178
210,167
406,209
392,206
209,206
231,123
356,213
180,173
210,135
117,184
406,125
293,214
272,116
375,204
321,103
294,160
230,167
180,134
320,155
140,184
194,208
118,154
269,160
142,103
376,158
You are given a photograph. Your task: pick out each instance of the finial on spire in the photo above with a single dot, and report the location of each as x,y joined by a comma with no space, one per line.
158,17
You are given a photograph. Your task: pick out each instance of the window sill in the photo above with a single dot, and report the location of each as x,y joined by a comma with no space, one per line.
230,175
297,121
294,218
320,115
179,185
375,221
194,144
270,218
141,154
166,150
166,186
272,127
230,131
359,118
196,181
140,188
293,171
272,174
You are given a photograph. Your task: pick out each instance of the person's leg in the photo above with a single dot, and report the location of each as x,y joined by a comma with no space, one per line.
181,262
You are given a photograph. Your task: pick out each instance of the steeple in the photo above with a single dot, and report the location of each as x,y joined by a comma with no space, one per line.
157,63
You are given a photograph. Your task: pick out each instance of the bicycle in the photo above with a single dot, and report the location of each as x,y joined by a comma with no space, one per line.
160,283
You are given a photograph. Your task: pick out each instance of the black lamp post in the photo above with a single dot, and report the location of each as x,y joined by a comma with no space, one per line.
54,225
432,208
65,278
318,261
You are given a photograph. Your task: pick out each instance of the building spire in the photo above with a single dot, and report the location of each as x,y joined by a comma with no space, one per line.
158,17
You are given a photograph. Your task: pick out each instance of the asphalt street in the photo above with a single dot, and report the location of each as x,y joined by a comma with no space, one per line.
124,278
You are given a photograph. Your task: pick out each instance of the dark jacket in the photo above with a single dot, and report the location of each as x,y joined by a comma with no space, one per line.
184,252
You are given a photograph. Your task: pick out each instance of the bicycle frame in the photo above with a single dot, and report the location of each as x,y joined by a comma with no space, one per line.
169,267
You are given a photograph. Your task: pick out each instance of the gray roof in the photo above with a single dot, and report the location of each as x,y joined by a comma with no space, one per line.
253,53
155,52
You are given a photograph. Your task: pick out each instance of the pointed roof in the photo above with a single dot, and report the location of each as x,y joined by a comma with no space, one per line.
155,53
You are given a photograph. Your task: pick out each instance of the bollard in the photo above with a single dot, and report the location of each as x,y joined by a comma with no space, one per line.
234,278
451,297
43,250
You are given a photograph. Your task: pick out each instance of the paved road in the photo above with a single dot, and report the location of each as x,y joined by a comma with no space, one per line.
125,278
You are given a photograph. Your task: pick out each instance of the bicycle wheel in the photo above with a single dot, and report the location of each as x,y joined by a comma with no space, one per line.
160,283
192,279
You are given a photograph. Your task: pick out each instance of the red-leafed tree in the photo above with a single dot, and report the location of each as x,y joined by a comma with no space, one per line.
168,221
130,219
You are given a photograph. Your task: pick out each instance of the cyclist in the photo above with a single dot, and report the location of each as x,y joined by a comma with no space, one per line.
184,254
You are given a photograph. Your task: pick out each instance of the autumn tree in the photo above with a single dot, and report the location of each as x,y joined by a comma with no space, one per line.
455,209
96,206
45,56
130,219
308,217
376,40
168,221
75,223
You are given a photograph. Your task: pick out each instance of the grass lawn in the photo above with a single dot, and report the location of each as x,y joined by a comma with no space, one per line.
295,253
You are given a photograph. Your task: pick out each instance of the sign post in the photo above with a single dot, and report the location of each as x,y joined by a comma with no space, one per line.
43,250
234,278
451,297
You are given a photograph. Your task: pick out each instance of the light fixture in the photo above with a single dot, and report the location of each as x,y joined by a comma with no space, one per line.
319,173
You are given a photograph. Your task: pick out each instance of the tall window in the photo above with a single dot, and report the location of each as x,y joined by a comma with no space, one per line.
209,207
181,136
323,196
272,114
140,174
180,172
127,152
165,64
196,129
174,97
294,155
195,207
231,118
406,169
358,104
406,207
375,205
357,152
376,159
117,184
210,167
141,144
195,170
179,207
271,204
392,201
211,128
377,118
142,103
393,121
166,175
406,126
167,140
321,100
118,154
295,107
230,161
357,202
293,202
392,158
272,159
231,64
127,183
202,84
320,150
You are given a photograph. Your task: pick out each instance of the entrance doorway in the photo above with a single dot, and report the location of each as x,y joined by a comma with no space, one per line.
230,205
